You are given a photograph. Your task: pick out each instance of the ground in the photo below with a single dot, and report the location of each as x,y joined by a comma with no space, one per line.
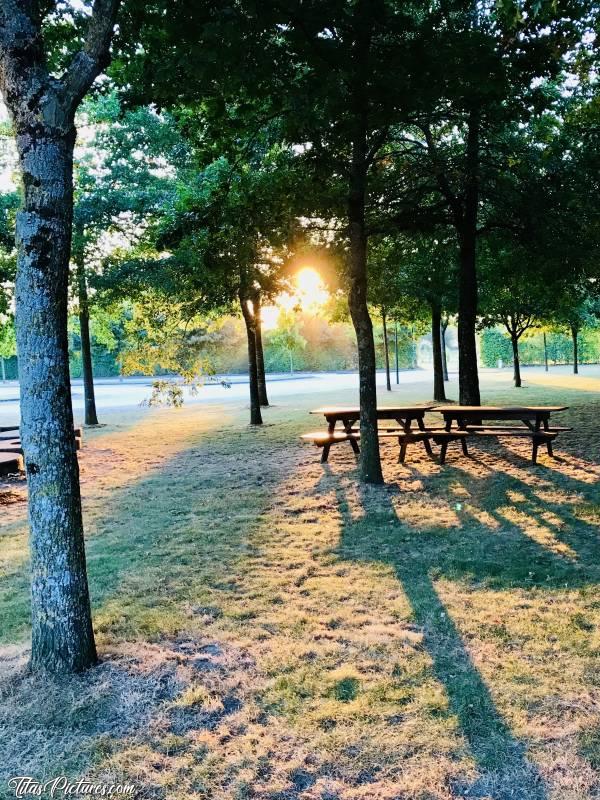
269,629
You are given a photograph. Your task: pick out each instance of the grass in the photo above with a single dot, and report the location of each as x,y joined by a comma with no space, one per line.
270,629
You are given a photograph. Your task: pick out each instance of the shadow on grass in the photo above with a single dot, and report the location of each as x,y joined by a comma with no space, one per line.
499,555
170,538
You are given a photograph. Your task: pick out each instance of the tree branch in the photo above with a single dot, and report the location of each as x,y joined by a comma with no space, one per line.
89,62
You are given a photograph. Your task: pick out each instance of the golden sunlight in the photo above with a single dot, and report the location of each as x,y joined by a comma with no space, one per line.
311,289
310,294
269,316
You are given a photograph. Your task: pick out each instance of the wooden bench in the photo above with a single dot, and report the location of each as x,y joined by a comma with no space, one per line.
326,439
10,462
537,437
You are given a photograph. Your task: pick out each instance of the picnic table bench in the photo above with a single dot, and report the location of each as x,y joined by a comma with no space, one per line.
403,431
535,422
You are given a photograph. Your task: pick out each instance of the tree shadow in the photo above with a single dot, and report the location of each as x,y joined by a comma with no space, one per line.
470,552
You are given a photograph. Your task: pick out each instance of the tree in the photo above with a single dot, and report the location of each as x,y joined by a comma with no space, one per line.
287,337
515,290
323,69
116,193
230,233
42,109
445,165
417,276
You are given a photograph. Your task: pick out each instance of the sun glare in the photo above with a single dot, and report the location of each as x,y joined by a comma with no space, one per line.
310,294
311,289
269,316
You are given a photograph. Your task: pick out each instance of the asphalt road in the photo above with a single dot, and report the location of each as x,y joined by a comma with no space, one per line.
112,394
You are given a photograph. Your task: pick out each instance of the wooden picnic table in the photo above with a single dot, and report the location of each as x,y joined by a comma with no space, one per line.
535,422
348,416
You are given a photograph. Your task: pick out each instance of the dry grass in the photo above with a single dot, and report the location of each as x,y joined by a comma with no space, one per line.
268,629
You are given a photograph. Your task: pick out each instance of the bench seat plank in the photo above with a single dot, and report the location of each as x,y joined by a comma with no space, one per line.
10,462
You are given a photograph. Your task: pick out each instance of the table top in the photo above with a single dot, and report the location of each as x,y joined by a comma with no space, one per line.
499,409
354,411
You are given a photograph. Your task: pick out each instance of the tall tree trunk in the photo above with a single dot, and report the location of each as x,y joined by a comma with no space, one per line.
62,636
255,415
468,377
370,461
386,350
439,393
396,349
516,362
3,369
91,417
574,333
444,327
545,353
260,356
42,108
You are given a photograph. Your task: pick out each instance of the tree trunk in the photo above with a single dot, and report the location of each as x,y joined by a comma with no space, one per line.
370,461
62,635
516,363
574,333
545,353
260,357
468,377
3,369
91,417
439,393
386,350
396,348
444,327
255,415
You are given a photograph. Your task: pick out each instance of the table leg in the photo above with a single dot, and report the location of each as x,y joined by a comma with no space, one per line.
348,425
426,442
402,455
443,448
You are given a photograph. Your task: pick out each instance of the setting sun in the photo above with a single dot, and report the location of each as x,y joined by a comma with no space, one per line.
309,295
311,289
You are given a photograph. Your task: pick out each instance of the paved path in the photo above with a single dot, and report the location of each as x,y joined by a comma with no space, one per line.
127,394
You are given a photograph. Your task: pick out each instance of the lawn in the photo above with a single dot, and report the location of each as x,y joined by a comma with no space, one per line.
269,629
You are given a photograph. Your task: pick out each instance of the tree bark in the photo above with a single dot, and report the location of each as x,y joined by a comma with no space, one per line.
439,393
386,350
516,362
255,415
62,636
369,461
574,335
468,377
3,370
444,327
545,353
91,416
42,108
260,357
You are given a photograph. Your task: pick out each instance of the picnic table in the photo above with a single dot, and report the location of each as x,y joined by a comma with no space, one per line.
405,417
535,422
